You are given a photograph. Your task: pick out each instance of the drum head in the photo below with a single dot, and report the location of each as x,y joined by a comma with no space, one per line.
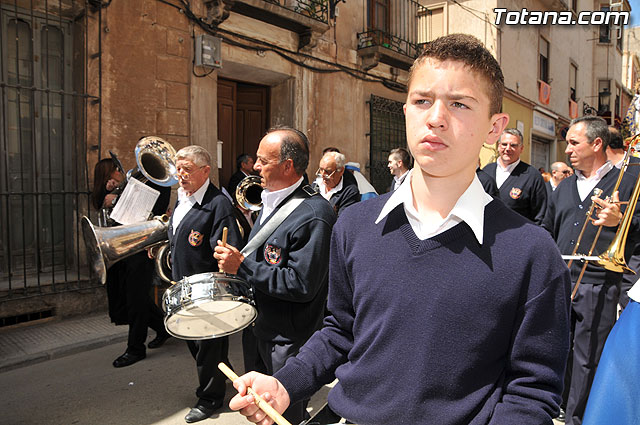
208,305
210,319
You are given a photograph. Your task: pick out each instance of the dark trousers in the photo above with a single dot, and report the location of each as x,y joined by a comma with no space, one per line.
593,314
208,353
271,357
128,287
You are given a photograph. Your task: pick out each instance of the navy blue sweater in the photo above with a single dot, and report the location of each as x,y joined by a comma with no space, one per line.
441,331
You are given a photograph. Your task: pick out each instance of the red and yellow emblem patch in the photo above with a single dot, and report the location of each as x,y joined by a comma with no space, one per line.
195,238
272,254
515,193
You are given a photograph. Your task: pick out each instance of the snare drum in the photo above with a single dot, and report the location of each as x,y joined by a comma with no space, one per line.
208,305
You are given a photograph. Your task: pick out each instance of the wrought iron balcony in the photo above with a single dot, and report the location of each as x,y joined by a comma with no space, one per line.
315,9
394,33
308,18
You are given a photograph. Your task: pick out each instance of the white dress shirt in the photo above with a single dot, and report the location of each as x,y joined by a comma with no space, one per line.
469,208
586,185
503,173
185,203
271,200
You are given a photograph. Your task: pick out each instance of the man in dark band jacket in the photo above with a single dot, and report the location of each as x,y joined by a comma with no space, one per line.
201,213
521,186
593,312
289,271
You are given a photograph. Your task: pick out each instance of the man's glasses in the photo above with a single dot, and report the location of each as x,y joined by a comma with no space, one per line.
325,174
566,172
185,173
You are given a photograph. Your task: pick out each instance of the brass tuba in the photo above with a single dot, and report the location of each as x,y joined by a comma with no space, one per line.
156,162
248,193
108,245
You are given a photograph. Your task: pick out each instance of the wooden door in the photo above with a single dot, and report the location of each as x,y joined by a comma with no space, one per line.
243,118
252,119
227,128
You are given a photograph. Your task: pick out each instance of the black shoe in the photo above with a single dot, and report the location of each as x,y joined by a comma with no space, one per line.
201,412
158,340
128,359
562,416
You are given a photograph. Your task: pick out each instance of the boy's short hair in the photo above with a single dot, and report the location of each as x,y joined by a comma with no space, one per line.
470,51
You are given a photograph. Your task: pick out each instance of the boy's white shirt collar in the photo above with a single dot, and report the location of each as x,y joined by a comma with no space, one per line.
469,208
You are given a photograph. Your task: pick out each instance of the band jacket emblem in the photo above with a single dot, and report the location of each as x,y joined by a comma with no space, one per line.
515,193
195,238
272,254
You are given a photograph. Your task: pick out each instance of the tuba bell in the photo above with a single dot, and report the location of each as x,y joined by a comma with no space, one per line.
108,245
248,193
155,162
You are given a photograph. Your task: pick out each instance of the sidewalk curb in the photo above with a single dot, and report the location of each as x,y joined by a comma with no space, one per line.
17,362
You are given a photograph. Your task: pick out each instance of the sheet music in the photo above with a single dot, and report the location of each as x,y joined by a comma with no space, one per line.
135,203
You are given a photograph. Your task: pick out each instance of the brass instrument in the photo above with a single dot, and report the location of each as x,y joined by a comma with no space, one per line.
156,162
155,159
613,258
248,193
163,262
108,245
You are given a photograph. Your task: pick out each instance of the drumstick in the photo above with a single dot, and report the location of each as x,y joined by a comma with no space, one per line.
259,401
225,232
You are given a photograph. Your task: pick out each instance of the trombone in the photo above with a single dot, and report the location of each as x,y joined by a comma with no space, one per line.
613,257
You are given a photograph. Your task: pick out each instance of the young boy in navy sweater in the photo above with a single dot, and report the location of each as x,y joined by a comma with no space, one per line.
446,306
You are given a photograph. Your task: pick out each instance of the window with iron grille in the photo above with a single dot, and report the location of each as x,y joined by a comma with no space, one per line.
387,132
43,177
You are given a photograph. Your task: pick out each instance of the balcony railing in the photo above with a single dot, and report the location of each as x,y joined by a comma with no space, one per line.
315,9
308,18
394,36
389,41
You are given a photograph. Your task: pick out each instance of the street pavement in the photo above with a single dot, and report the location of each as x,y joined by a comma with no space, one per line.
60,373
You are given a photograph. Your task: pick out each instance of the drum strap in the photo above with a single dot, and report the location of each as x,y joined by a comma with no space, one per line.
275,221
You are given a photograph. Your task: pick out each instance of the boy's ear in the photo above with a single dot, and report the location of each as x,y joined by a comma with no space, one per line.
498,124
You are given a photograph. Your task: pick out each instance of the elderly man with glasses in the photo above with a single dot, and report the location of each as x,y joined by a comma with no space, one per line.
197,223
336,186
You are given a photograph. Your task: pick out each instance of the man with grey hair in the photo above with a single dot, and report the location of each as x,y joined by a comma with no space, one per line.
201,213
336,186
521,186
593,309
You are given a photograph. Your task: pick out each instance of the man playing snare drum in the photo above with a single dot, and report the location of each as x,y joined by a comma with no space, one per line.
289,270
196,225
403,349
